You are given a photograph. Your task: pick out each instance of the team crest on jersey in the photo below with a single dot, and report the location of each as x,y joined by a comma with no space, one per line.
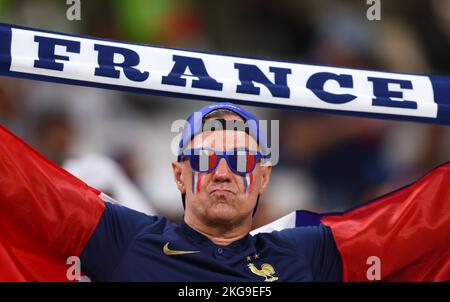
266,270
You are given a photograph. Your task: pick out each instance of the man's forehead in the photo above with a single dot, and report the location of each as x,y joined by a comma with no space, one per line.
223,140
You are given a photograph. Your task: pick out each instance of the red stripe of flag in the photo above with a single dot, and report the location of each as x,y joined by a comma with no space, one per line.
408,230
250,161
46,214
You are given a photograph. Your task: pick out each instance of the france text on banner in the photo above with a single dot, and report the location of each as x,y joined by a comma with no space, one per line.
63,58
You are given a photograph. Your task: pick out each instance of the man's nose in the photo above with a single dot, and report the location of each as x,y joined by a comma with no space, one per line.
222,172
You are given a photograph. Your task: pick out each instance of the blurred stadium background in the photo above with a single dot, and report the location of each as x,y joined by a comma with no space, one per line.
328,163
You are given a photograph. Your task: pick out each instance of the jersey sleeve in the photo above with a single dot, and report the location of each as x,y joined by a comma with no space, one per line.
115,232
316,244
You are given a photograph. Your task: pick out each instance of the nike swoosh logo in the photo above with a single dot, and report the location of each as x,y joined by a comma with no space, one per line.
167,251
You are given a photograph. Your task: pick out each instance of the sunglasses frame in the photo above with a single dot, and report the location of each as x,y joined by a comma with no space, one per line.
221,154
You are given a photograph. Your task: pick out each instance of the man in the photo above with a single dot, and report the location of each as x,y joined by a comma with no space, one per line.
221,173
212,243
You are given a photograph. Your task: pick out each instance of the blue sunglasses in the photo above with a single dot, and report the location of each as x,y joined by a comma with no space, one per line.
240,161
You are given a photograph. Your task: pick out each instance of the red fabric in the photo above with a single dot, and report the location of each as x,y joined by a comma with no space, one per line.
46,214
409,230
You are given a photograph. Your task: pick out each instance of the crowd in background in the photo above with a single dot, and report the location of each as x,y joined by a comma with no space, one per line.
327,162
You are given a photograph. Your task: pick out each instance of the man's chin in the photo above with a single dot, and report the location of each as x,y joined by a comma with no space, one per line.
222,213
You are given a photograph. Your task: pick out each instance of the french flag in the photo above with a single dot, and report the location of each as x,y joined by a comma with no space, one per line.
207,160
46,214
245,161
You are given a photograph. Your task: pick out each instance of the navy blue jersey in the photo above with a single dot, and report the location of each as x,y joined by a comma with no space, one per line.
130,246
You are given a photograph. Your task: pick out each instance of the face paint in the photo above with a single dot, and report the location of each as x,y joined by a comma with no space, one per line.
248,180
196,181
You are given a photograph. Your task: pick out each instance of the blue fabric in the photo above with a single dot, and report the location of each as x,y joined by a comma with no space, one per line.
128,246
5,48
306,218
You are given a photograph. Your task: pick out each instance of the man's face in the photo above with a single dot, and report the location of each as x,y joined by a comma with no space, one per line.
221,196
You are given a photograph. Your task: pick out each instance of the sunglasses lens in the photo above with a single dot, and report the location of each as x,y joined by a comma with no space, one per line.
243,161
240,161
203,160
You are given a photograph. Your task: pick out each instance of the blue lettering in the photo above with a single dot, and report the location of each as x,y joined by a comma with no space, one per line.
198,70
46,52
383,96
317,81
107,66
251,73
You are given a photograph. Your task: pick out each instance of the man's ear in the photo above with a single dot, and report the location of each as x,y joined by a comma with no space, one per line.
265,177
177,170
